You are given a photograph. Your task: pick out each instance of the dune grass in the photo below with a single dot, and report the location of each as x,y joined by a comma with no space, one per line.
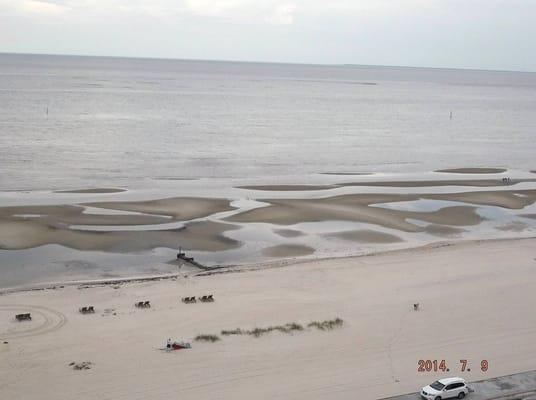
207,338
326,325
288,328
236,331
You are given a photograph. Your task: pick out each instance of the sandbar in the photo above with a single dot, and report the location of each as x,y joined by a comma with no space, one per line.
288,233
96,190
366,236
473,170
394,184
287,188
287,250
355,208
181,208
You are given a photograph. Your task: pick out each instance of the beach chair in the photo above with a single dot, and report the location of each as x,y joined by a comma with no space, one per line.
207,298
23,317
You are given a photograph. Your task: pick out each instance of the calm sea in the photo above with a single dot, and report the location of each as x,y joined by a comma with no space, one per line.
69,122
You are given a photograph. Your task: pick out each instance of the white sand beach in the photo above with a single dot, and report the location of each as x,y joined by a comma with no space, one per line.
476,302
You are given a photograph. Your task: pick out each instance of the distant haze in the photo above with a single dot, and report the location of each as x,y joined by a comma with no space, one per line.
479,34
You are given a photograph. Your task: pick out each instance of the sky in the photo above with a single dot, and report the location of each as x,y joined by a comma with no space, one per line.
479,34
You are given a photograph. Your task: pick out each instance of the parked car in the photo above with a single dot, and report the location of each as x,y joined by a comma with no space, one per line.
446,388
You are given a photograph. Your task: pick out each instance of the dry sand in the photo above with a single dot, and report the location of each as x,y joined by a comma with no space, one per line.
473,170
477,302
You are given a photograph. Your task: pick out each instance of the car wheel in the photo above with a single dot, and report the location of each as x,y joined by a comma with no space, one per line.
461,395
438,398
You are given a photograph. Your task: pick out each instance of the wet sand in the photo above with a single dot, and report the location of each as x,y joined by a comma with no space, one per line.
180,208
288,233
25,227
374,354
516,226
288,188
438,183
201,236
355,208
443,230
473,170
288,251
366,236
96,190
345,173
394,184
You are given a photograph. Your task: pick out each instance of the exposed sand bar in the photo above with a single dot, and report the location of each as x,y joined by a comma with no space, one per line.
473,170
345,173
360,208
373,355
436,183
366,236
354,208
288,233
203,236
73,215
288,250
288,188
401,184
181,208
96,190
25,227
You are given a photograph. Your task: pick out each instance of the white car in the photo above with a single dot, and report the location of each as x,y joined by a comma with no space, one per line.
446,388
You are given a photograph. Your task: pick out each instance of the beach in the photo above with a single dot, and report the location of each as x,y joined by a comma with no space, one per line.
349,221
475,303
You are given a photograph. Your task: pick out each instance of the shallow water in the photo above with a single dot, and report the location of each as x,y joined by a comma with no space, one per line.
163,128
143,123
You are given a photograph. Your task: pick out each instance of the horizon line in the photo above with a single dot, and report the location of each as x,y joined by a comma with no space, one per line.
268,62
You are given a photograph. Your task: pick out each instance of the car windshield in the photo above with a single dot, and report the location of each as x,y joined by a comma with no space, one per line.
437,385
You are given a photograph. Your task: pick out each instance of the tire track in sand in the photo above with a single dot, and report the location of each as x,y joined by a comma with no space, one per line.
52,320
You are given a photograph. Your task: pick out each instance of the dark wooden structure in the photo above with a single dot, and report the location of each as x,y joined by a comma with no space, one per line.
143,304
23,317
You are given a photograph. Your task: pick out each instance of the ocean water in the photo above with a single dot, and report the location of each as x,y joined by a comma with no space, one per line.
162,128
73,122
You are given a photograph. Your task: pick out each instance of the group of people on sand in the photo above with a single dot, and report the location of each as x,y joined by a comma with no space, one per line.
506,180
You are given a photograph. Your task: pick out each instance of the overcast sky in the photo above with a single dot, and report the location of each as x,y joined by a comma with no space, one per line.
486,34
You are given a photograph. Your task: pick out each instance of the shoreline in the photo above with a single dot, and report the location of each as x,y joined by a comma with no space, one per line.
248,267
